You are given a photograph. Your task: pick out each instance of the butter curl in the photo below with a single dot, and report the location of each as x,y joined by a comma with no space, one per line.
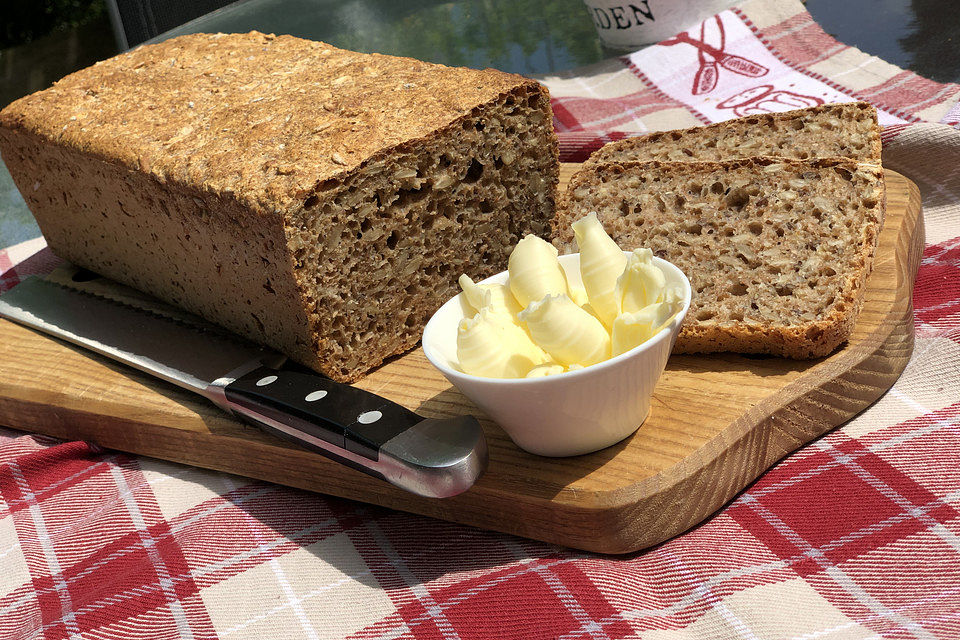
633,329
601,263
492,346
535,271
495,297
565,331
642,282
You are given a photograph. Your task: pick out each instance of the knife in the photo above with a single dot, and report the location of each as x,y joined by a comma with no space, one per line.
426,456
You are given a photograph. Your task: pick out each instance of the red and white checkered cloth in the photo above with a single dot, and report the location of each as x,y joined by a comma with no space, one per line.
857,535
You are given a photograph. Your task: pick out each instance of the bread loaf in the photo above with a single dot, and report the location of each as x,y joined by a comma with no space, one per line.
314,199
776,250
847,130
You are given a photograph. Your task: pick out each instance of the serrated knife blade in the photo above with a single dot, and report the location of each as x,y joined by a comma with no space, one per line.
190,358
429,457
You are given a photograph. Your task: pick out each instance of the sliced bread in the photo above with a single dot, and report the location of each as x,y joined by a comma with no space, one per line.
777,250
847,130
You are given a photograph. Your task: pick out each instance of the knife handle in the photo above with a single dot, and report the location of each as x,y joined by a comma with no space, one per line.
430,457
344,416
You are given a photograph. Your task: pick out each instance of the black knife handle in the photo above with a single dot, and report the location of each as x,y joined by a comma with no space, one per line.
346,417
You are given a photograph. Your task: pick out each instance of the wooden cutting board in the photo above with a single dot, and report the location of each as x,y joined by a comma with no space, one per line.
717,422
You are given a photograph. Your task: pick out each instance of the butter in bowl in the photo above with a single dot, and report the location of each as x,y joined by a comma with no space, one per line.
563,352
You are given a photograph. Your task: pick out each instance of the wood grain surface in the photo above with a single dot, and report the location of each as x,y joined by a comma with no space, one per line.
717,422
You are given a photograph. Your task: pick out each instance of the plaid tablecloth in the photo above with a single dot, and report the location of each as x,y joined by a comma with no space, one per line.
857,535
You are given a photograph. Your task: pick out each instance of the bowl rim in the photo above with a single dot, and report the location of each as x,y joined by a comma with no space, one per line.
638,350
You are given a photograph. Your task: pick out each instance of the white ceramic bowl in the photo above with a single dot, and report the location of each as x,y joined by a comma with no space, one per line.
566,414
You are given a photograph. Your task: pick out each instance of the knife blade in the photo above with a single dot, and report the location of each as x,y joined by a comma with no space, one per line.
426,456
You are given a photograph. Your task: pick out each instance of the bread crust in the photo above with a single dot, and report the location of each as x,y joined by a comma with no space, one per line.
799,133
262,118
801,341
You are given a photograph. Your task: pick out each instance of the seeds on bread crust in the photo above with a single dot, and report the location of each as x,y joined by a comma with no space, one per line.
847,130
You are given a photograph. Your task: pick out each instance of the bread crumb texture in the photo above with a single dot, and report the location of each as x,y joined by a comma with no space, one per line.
777,250
317,200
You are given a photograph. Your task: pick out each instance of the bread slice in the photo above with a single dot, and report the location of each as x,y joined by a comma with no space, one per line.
776,250
847,130
317,200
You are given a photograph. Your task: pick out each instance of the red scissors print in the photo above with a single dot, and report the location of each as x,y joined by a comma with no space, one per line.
710,56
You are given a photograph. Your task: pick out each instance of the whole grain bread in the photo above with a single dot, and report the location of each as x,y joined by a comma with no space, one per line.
845,130
777,250
317,200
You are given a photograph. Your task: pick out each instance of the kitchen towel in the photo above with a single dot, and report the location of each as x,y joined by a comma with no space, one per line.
857,535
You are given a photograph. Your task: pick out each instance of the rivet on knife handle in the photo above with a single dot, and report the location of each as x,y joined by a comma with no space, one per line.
430,457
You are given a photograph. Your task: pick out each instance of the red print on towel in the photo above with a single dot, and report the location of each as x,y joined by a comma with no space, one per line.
766,99
711,56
